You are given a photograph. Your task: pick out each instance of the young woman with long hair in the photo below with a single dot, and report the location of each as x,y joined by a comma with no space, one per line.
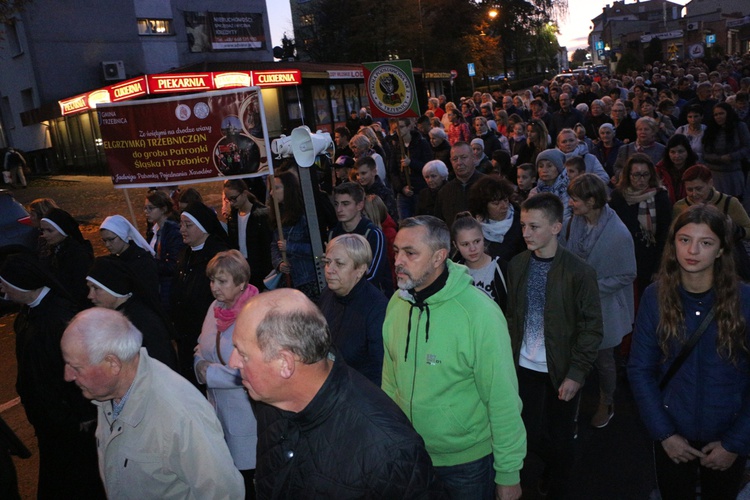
537,140
678,157
295,240
697,412
726,142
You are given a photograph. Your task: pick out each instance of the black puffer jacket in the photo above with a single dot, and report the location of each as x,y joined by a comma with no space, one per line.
351,441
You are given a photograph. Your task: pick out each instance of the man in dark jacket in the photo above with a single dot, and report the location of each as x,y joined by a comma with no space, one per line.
454,197
311,404
407,182
566,117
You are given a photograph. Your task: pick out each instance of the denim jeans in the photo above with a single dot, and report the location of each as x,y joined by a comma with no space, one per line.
470,481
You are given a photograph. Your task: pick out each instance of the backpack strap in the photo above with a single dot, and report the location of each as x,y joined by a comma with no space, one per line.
499,272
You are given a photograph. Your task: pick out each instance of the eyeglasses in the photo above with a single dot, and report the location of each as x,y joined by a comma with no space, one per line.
232,199
640,175
149,208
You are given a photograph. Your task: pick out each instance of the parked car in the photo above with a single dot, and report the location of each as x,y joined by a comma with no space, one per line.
15,235
561,77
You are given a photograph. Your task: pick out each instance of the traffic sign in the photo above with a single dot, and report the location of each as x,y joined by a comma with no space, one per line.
696,51
472,69
454,73
710,39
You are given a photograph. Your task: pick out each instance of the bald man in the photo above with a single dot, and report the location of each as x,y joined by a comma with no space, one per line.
324,430
157,436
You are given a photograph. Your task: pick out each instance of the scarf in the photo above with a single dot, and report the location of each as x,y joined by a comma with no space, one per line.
646,200
583,236
226,317
494,230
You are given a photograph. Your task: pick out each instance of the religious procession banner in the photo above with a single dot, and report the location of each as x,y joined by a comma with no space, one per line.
186,139
391,89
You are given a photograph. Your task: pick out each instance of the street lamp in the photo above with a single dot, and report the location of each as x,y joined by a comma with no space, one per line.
493,14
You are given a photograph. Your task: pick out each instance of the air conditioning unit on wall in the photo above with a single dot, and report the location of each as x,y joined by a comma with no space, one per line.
113,70
693,26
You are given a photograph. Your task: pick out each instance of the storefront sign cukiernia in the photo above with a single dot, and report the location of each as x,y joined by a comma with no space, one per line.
391,89
185,139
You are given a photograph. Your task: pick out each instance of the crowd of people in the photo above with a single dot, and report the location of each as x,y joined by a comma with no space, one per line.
480,261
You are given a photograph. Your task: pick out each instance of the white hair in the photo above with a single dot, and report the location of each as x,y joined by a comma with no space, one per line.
106,331
437,166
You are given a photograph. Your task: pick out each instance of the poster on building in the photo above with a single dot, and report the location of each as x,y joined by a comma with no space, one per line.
208,31
391,89
186,139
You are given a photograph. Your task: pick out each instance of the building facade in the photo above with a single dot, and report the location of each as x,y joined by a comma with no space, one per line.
688,32
54,50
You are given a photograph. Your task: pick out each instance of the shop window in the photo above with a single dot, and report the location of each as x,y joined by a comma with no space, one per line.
337,104
155,27
294,109
320,104
351,96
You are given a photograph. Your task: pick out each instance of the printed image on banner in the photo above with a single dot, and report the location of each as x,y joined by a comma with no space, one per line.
185,139
210,31
390,89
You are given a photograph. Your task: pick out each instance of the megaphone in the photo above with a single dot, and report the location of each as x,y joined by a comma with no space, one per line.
282,147
306,145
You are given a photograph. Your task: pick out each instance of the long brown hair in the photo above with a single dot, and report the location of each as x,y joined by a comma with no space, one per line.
729,318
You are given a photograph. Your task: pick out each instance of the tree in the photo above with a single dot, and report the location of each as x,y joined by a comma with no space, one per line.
526,30
579,55
434,34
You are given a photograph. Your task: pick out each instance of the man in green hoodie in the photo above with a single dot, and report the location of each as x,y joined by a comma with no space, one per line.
448,365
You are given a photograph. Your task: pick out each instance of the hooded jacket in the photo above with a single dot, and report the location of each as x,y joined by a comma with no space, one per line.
447,364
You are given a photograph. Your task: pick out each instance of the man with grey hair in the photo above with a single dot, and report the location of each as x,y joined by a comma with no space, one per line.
448,365
324,430
157,436
454,197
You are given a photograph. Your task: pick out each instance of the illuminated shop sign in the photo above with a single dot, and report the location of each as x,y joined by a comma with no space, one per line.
128,89
178,83
274,78
183,82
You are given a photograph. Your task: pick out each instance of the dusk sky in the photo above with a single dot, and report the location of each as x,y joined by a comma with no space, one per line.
573,31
